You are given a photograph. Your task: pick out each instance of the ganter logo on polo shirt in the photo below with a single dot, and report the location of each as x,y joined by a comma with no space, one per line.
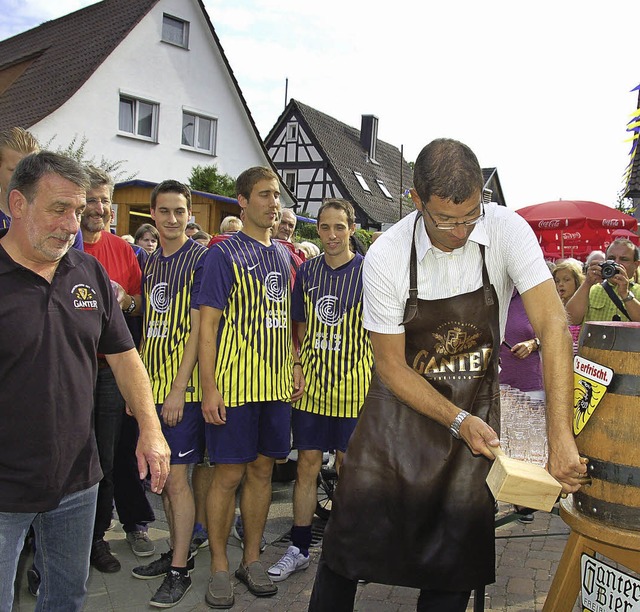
455,354
84,297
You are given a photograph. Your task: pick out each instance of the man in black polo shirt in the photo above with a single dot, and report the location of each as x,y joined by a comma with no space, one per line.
58,311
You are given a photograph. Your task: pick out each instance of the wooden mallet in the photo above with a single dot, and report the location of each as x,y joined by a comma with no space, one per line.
521,483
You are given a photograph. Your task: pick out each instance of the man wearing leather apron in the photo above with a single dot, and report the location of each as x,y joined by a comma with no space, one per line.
412,507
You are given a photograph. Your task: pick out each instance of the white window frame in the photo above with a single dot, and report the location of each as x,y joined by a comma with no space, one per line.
361,180
383,188
288,174
137,100
213,136
292,132
185,31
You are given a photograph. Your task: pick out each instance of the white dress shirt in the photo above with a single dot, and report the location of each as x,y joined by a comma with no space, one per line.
512,255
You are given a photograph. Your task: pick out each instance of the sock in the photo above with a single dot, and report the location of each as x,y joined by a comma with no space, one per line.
198,527
180,570
301,538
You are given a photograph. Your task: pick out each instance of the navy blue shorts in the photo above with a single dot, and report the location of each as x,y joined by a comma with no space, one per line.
320,432
186,439
256,428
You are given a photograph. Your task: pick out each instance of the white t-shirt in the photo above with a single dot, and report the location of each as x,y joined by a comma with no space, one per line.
512,254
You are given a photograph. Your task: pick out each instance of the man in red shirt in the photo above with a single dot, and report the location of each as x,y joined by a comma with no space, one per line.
120,262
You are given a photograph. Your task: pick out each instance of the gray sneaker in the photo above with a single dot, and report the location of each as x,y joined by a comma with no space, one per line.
140,543
219,592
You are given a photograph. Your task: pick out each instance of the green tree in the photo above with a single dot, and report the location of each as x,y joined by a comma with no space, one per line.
77,149
209,179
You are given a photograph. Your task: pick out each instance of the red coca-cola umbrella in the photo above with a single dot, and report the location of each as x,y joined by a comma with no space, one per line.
574,228
623,233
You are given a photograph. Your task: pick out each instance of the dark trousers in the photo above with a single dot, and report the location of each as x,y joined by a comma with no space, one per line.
335,593
132,505
108,414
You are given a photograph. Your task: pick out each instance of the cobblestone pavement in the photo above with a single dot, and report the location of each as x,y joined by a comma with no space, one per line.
526,555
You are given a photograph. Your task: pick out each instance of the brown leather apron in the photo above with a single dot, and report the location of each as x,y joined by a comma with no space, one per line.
412,507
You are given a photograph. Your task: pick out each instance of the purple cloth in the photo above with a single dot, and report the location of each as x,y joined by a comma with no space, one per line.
523,374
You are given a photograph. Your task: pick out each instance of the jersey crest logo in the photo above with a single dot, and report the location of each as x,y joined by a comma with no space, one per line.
275,287
328,310
159,298
590,384
84,297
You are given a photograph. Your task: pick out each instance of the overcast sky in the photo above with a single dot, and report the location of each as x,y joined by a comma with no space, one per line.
542,90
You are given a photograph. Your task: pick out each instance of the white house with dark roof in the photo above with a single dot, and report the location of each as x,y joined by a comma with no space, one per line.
145,81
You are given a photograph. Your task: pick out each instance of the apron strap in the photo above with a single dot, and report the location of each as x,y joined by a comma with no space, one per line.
486,285
412,305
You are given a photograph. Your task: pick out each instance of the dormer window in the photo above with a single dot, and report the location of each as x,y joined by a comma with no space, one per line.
175,31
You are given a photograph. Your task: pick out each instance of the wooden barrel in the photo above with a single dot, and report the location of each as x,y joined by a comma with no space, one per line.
610,438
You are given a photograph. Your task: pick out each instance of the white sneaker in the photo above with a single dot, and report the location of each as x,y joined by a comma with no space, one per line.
292,561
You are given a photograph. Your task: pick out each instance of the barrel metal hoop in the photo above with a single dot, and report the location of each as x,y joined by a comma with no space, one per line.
625,384
614,473
608,338
625,517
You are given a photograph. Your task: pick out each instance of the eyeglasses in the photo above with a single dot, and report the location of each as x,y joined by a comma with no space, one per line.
449,227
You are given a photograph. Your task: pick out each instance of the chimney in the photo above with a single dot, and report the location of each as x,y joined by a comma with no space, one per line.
369,135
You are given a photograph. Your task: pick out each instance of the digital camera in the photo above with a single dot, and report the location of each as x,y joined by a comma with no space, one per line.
608,269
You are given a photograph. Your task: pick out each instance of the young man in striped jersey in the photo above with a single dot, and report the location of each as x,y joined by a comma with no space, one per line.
169,351
248,379
336,357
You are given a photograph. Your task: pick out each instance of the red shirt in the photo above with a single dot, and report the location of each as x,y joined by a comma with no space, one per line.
119,260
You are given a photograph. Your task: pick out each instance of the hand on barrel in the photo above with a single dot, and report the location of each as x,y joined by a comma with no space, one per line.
569,469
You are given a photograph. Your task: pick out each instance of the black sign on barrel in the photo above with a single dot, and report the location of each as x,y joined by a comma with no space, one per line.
610,438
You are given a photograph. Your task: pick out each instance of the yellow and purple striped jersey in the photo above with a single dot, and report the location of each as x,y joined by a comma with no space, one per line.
249,283
170,287
336,352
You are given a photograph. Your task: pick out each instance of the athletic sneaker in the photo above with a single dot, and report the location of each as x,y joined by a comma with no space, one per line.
292,561
238,533
159,567
172,590
200,538
140,543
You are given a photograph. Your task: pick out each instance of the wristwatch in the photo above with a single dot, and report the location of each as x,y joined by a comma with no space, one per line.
454,428
131,306
629,297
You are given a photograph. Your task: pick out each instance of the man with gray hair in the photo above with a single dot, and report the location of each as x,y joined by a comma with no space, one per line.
59,311
123,269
